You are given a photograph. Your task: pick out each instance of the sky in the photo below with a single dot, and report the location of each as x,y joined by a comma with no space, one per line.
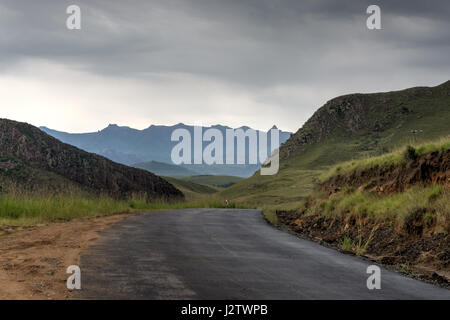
205,62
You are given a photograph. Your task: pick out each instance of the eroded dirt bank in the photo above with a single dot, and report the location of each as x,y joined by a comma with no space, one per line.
429,169
411,250
33,261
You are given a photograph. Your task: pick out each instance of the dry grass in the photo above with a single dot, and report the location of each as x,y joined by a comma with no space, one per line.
30,208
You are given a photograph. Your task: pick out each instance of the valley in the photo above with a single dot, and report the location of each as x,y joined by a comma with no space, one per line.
367,174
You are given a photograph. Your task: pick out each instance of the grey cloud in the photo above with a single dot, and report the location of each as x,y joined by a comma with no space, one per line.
255,44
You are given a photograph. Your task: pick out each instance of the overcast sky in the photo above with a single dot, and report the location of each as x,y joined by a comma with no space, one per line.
231,62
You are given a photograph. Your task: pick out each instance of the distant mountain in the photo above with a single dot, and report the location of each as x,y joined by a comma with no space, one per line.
131,146
31,158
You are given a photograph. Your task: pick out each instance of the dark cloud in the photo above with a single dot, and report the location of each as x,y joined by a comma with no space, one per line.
258,45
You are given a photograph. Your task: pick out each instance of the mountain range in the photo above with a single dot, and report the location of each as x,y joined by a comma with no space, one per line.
151,148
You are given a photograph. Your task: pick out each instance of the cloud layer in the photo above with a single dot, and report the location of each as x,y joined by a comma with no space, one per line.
252,62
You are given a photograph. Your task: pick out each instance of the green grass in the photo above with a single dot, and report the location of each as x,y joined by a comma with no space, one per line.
215,181
191,190
32,209
382,124
434,200
287,188
390,159
359,247
347,244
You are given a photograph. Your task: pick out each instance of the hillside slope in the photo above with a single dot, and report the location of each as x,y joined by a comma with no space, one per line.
25,149
165,169
192,191
348,127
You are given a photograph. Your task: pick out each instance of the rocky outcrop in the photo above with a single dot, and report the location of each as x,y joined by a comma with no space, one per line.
375,120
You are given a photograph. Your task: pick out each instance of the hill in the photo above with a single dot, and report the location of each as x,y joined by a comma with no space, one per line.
193,191
131,146
215,181
165,169
31,158
349,127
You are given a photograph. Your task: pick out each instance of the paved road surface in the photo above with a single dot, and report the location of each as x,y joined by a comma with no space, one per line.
227,254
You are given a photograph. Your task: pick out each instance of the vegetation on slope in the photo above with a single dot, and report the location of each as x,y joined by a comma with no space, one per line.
396,158
350,127
368,187
393,208
362,125
214,181
23,146
165,169
191,190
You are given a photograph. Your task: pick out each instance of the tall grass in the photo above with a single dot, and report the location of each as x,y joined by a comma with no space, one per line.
386,160
29,208
434,200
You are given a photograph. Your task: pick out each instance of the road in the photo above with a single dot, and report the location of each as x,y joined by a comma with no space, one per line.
227,254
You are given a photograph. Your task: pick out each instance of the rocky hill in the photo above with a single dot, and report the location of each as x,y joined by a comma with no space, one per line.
358,125
349,127
30,157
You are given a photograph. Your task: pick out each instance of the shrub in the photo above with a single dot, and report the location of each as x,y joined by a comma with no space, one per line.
410,153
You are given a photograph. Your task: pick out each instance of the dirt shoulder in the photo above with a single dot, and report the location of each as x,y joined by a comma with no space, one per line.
33,261
425,257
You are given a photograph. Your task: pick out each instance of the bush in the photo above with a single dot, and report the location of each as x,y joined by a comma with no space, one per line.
410,153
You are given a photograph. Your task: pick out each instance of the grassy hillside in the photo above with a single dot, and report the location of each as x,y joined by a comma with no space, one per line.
165,169
215,181
349,127
191,190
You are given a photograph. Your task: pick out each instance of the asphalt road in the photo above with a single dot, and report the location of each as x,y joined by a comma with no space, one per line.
227,254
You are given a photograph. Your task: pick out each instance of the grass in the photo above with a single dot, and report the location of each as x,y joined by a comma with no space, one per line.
21,209
359,247
287,188
215,181
270,215
384,124
192,191
390,159
398,207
